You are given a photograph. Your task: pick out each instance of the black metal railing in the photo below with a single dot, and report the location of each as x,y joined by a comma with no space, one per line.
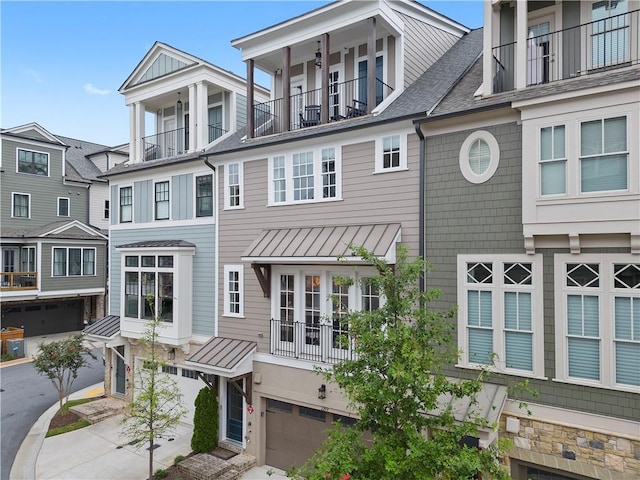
346,100
164,145
593,47
319,342
215,132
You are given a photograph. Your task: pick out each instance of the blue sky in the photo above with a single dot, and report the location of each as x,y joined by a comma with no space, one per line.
63,62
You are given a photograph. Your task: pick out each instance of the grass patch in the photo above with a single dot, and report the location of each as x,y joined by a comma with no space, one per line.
68,428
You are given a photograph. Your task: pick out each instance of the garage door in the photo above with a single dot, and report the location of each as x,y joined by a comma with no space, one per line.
189,385
295,432
44,318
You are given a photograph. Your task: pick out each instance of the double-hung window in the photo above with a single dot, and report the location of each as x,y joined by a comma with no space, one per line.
34,163
204,196
73,262
126,204
162,200
148,287
234,290
233,197
553,161
20,205
391,153
309,176
603,155
500,320
598,320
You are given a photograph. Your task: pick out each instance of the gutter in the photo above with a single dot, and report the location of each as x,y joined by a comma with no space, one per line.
423,200
216,262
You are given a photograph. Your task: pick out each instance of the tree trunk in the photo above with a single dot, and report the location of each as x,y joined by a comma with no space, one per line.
151,457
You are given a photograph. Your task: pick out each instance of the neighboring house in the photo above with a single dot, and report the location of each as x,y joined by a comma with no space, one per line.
532,219
163,223
53,260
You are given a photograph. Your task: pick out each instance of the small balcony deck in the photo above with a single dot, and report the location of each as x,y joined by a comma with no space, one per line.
173,142
345,102
315,342
13,281
593,47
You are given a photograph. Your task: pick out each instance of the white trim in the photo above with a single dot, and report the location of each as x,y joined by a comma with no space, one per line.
34,151
239,269
82,249
68,206
227,198
77,224
606,293
497,288
494,150
28,195
379,168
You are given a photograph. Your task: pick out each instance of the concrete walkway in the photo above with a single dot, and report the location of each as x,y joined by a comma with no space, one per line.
99,452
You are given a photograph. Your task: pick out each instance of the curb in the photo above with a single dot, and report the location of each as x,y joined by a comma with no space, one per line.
24,465
17,361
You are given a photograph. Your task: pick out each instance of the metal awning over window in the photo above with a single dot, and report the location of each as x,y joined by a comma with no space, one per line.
323,244
107,328
226,357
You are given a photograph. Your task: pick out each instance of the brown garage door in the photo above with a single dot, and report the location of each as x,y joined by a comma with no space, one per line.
294,432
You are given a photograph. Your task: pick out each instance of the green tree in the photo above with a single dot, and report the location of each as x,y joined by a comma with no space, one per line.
60,362
205,421
396,385
156,408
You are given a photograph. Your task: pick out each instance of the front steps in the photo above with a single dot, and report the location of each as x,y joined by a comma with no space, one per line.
203,466
99,410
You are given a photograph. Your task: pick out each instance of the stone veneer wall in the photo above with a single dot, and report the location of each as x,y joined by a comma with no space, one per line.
594,454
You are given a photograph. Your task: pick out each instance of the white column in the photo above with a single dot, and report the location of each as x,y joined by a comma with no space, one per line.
521,44
487,53
202,92
193,113
133,134
140,131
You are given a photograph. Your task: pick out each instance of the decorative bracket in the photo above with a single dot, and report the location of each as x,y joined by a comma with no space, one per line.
263,273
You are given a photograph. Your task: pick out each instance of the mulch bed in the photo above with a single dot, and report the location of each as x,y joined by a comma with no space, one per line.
63,419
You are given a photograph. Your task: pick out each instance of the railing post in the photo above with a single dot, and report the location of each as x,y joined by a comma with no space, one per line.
286,89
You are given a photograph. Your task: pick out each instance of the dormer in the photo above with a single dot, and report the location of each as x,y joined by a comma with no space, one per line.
189,102
341,61
529,43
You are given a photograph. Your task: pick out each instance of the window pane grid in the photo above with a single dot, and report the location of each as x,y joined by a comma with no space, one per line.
20,205
34,163
553,162
279,180
328,173
234,291
479,156
149,291
204,196
303,176
603,155
391,152
312,309
583,342
287,307
126,201
340,309
162,200
233,182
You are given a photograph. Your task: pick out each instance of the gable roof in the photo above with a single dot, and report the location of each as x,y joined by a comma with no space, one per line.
77,157
63,229
33,131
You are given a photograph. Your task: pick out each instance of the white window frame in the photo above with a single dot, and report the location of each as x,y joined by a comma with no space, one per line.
82,269
13,195
494,160
318,176
68,206
542,162
606,293
32,151
119,199
155,202
379,147
227,186
156,270
239,269
498,288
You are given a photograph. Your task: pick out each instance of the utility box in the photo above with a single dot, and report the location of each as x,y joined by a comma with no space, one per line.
15,347
9,333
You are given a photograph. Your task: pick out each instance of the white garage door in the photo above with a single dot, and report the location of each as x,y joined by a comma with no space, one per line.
189,385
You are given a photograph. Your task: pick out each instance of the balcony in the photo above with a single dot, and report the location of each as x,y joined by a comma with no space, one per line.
315,342
345,102
593,47
173,142
13,281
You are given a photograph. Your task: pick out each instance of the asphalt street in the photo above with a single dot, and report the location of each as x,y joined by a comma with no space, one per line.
25,395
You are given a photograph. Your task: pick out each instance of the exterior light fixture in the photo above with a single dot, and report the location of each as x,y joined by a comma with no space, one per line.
318,56
179,104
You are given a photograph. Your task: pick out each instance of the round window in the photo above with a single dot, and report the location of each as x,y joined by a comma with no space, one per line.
479,156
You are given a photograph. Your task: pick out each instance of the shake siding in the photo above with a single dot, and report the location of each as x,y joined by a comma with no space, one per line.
50,283
202,236
367,198
423,45
143,201
462,218
44,191
182,197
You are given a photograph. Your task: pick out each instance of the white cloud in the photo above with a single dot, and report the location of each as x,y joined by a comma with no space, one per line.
94,90
33,75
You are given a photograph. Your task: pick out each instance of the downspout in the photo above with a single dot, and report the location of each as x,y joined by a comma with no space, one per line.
89,204
421,206
217,229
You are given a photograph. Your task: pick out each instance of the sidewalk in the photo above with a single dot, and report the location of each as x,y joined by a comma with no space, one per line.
98,451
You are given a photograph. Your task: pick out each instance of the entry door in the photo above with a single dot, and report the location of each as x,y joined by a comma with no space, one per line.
362,81
235,404
170,139
215,122
120,371
9,261
540,54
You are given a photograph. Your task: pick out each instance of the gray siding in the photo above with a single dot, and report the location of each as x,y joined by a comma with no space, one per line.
463,218
204,298
241,111
143,201
44,191
367,198
182,197
50,283
423,45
